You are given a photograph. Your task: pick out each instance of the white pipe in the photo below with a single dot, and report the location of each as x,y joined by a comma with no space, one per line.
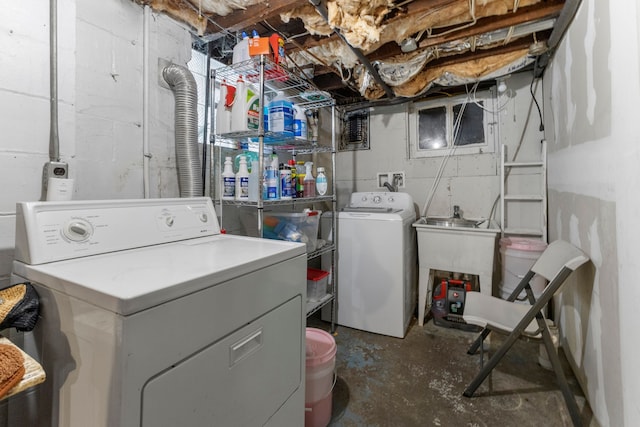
146,155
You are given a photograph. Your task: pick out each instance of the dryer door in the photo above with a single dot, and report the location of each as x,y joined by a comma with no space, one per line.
241,380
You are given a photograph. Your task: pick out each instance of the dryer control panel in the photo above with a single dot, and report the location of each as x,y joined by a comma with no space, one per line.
55,231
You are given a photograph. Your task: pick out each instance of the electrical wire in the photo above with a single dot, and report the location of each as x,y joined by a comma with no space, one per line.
533,79
474,99
450,152
515,155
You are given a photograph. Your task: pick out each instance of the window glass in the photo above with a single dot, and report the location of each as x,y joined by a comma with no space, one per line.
471,125
432,128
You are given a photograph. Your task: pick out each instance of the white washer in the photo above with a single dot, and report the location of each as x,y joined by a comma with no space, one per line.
150,317
377,263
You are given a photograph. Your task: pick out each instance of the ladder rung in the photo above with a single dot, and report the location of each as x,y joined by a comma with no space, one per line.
523,164
524,198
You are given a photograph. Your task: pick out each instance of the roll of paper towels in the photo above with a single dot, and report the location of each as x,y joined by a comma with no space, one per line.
59,189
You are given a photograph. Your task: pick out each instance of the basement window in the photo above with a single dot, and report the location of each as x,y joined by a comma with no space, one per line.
452,126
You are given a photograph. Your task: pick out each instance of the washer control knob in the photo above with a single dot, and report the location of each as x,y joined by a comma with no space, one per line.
377,199
169,221
364,198
77,230
391,199
204,217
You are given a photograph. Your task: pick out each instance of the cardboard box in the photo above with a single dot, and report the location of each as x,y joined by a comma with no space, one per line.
259,46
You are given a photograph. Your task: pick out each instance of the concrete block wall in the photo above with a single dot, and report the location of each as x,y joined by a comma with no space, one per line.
470,181
100,101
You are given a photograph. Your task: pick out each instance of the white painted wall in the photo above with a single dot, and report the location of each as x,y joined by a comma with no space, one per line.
100,68
470,181
591,92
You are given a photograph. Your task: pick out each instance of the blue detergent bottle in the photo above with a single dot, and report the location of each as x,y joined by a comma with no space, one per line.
281,115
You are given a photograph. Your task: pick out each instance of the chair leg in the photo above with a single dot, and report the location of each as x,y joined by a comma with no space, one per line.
476,344
493,361
569,398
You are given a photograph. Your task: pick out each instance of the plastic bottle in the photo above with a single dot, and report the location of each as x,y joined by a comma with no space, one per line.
294,178
281,115
285,183
241,49
309,181
321,182
300,171
299,123
228,181
239,107
250,155
223,109
271,183
242,180
245,111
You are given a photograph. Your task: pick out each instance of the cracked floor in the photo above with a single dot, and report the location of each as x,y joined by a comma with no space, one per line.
419,380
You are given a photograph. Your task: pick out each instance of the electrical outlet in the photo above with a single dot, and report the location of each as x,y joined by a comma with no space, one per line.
383,177
397,179
53,170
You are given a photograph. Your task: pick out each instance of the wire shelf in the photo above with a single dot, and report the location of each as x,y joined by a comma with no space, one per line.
277,78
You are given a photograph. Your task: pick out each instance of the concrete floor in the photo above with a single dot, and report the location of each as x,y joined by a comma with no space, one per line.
419,380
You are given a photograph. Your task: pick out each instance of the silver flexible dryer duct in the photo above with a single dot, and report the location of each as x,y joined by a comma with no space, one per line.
185,92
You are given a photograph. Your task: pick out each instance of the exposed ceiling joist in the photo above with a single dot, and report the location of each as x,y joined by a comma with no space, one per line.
357,38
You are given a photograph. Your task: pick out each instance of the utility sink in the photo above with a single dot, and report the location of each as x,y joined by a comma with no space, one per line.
450,222
456,245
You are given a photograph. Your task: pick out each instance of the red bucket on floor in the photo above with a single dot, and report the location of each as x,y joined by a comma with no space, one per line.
319,378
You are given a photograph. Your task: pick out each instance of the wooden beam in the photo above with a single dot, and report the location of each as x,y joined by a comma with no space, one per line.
241,19
537,12
547,9
519,44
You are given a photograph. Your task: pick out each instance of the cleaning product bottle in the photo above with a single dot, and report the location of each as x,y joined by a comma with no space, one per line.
242,180
228,181
300,179
285,183
271,179
294,178
250,155
241,49
239,107
223,109
252,107
299,122
321,182
281,115
254,181
309,181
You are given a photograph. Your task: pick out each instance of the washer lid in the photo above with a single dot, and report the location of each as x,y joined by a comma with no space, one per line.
129,281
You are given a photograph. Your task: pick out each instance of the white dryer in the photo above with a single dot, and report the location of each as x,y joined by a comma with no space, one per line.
150,317
376,266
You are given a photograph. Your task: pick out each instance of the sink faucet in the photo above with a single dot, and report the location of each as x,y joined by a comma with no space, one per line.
394,186
456,211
